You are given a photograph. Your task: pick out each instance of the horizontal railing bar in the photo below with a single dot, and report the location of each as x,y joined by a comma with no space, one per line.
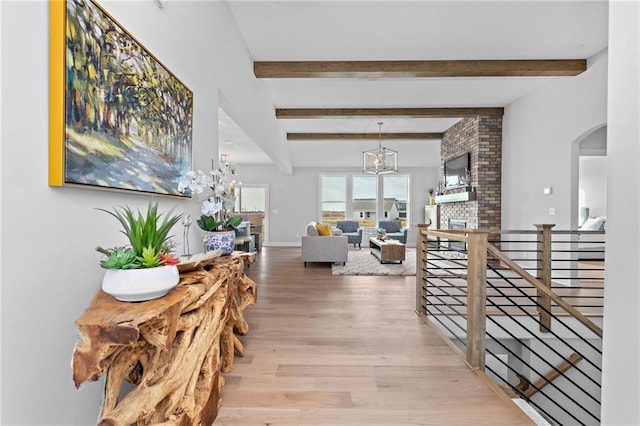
445,280
525,231
453,296
576,251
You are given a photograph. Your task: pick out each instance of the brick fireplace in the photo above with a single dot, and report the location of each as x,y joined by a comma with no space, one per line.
481,136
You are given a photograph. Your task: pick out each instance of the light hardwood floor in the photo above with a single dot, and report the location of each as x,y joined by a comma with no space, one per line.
348,350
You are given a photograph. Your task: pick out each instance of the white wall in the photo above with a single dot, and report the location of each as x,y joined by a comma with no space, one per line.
294,199
50,270
592,185
621,369
539,131
1,218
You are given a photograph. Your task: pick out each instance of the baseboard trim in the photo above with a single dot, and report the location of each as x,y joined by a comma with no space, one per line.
283,244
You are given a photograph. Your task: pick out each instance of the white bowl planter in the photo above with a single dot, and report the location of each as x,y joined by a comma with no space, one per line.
137,285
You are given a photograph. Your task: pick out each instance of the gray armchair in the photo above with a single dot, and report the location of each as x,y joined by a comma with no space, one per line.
351,228
394,230
316,248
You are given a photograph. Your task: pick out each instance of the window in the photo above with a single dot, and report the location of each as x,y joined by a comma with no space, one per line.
396,197
334,198
365,198
250,199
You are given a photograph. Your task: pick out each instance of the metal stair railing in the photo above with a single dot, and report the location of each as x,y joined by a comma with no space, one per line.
513,325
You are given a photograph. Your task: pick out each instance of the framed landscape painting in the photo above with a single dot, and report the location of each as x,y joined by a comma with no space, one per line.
118,118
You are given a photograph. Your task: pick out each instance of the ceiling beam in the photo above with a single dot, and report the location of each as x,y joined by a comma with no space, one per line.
387,112
408,69
353,136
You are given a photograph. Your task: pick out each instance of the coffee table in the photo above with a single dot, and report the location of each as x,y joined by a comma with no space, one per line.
388,251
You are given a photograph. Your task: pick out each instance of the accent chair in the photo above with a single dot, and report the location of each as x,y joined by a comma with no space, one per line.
394,230
351,228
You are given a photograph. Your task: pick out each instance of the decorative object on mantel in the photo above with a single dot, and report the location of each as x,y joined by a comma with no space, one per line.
380,161
216,208
171,350
146,268
432,199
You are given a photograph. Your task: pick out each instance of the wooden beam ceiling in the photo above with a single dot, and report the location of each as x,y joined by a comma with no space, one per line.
387,112
409,69
355,136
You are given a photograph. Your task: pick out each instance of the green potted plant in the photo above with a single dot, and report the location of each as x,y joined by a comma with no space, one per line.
146,268
216,219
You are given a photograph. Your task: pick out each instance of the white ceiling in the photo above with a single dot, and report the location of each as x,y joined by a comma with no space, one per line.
404,30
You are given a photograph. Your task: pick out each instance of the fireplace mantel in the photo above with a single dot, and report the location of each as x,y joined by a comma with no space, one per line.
456,197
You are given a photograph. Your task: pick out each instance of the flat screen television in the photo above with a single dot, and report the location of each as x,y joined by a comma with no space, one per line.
455,171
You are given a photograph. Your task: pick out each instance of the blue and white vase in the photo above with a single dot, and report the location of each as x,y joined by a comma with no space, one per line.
223,240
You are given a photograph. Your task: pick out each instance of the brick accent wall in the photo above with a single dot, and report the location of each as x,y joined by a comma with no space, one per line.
482,138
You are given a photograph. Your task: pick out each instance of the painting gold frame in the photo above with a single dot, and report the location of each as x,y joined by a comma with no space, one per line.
114,123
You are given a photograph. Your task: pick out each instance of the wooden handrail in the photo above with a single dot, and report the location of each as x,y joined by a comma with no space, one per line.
528,390
450,234
542,289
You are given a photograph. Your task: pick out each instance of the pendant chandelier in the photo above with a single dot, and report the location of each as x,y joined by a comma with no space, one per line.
380,161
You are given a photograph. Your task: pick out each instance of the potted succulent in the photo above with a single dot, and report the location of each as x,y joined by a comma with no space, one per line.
216,219
146,268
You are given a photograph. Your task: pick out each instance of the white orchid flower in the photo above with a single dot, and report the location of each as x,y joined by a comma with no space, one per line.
210,206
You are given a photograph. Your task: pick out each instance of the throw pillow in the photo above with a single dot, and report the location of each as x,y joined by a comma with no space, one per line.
312,231
593,223
323,230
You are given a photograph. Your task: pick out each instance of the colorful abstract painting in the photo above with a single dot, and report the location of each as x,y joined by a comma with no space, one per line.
127,118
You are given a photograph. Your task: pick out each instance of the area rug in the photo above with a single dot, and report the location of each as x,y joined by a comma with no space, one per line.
362,262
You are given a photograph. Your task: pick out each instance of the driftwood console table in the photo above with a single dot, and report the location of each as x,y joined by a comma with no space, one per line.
171,350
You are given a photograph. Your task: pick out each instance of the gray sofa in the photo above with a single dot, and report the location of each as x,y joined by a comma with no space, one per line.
315,248
394,230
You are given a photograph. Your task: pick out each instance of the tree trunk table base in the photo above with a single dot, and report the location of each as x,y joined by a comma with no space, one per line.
171,350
